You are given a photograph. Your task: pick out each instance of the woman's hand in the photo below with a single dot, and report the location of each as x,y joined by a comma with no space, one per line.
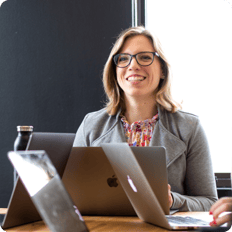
170,196
222,205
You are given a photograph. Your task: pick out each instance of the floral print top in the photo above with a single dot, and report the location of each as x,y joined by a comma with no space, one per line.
139,134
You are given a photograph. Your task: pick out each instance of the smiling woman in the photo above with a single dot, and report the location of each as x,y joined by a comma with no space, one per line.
141,111
133,48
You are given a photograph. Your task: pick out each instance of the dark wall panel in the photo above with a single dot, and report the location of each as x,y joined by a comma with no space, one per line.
52,54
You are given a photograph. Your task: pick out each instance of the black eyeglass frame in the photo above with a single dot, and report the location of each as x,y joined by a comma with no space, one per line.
115,57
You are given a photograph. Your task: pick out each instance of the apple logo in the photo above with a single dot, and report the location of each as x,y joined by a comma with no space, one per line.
131,183
112,181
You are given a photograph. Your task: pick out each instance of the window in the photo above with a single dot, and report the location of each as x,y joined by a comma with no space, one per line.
197,39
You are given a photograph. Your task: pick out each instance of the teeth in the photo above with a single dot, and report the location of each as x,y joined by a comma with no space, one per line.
136,78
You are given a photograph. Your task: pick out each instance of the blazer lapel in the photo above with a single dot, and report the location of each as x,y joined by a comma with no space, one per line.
162,137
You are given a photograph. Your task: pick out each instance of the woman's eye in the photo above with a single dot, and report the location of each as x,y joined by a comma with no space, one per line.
123,59
145,58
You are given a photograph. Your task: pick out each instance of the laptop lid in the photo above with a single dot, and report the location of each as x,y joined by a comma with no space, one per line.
91,181
138,189
21,209
92,184
47,191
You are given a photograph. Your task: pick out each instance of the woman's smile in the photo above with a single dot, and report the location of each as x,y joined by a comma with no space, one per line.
135,77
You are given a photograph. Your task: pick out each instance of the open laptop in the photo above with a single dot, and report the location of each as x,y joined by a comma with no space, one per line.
139,190
47,191
21,209
91,181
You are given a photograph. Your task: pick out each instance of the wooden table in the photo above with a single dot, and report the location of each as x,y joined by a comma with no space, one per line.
107,223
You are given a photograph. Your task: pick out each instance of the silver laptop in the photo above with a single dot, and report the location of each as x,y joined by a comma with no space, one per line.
21,209
91,181
136,183
47,191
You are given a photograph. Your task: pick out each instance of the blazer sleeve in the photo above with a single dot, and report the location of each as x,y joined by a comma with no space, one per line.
199,183
80,139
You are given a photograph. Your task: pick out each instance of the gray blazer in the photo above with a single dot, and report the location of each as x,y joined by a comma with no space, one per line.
189,164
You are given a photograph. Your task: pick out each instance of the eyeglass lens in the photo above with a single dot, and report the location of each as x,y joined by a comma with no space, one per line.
143,58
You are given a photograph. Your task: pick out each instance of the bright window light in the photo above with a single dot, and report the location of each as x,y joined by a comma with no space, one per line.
197,39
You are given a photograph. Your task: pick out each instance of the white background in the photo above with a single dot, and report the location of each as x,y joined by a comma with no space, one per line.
197,39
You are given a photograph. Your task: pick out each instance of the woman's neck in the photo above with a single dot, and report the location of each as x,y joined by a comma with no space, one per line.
140,109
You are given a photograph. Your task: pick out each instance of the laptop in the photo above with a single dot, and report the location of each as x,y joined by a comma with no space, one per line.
136,183
47,191
91,181
21,209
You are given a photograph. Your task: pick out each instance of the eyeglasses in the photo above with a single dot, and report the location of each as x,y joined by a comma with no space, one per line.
143,58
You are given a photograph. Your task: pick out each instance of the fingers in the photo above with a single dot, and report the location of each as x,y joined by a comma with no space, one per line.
224,219
226,207
222,205
224,200
221,220
170,196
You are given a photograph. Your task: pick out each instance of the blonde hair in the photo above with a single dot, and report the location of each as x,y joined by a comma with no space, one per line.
115,97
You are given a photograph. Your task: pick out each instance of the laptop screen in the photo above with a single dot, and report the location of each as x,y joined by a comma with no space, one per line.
47,191
34,168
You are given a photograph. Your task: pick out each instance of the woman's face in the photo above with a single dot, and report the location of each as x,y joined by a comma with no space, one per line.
136,80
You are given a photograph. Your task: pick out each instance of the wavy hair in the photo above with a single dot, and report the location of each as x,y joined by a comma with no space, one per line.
115,96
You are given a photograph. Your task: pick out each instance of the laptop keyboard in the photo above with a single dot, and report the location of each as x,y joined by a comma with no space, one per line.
179,220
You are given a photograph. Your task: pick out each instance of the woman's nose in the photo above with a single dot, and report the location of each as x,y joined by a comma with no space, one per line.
134,64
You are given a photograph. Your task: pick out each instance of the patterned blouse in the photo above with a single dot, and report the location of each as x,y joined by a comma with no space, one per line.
139,134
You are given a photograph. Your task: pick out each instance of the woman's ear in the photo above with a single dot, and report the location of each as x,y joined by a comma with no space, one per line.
162,71
162,75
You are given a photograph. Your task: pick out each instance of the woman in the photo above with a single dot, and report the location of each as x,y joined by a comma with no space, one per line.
141,111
